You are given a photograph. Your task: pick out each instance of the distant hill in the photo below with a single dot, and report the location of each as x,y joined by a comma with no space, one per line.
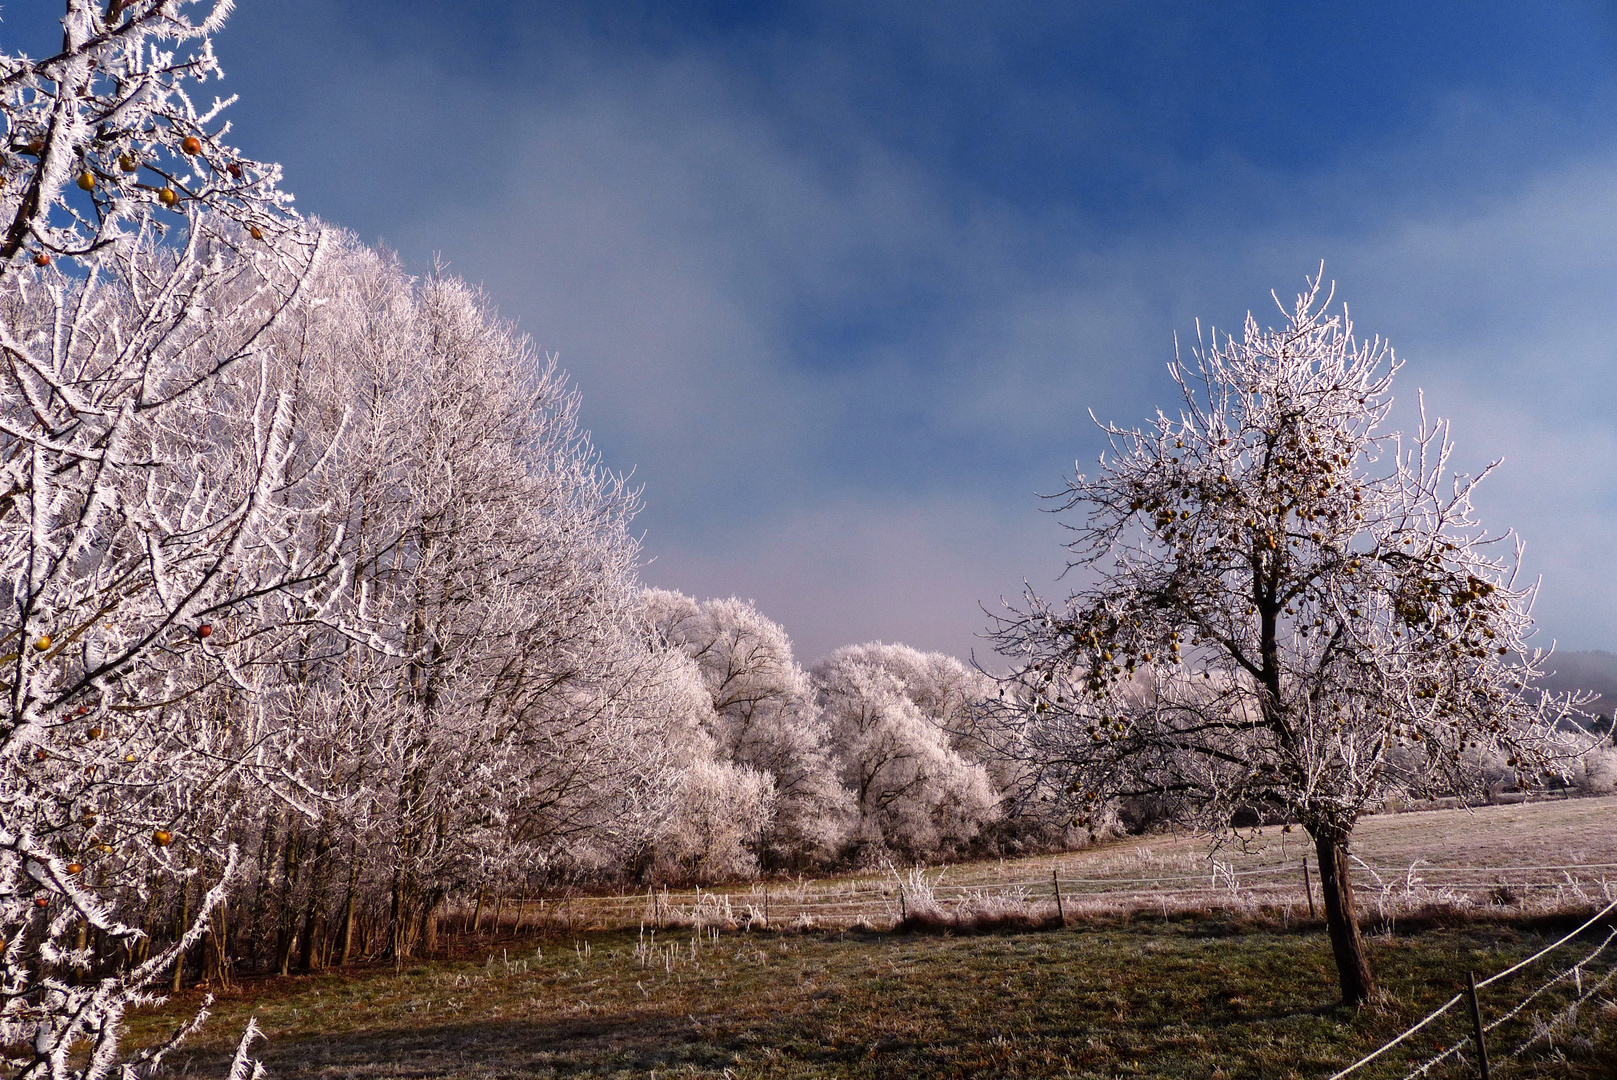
1596,671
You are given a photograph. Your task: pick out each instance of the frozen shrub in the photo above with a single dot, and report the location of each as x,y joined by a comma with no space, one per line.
721,809
917,796
763,717
1596,772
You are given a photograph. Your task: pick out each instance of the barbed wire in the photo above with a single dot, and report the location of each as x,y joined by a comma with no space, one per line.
1492,979
1571,972
1565,1015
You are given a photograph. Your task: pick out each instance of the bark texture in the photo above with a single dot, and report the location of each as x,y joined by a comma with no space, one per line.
1347,943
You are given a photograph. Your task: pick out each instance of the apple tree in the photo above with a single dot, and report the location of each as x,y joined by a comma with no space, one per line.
103,134
1292,610
149,504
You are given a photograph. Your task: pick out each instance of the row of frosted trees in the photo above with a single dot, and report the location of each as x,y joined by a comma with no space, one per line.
479,697
326,615
429,670
323,612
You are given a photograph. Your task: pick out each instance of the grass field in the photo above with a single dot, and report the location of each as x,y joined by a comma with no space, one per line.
1211,994
1548,854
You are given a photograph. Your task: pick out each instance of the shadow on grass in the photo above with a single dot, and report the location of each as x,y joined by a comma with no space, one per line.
490,1048
974,923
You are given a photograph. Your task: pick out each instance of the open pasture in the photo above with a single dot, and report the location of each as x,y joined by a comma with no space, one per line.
1219,992
1535,857
1182,998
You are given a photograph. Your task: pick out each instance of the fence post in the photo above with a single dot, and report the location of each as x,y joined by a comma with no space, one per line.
1476,1024
903,912
767,924
1308,887
1061,912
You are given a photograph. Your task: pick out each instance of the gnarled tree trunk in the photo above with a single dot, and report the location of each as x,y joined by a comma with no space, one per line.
1352,966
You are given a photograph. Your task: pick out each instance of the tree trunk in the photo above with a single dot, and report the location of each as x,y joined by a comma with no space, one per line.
291,866
398,915
216,965
181,924
346,949
1352,966
315,906
81,945
428,935
404,884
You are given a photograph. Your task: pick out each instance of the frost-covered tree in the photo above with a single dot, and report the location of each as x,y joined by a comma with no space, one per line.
886,706
1293,610
763,717
489,711
153,502
944,689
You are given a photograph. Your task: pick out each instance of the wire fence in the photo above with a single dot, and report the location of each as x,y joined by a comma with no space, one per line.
1541,1029
1385,893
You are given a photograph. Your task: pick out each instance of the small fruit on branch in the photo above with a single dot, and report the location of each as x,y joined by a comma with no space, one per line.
191,145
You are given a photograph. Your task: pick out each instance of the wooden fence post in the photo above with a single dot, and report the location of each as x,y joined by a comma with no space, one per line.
1308,887
1476,1024
1061,912
767,924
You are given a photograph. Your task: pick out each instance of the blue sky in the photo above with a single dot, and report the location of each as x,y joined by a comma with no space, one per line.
841,281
